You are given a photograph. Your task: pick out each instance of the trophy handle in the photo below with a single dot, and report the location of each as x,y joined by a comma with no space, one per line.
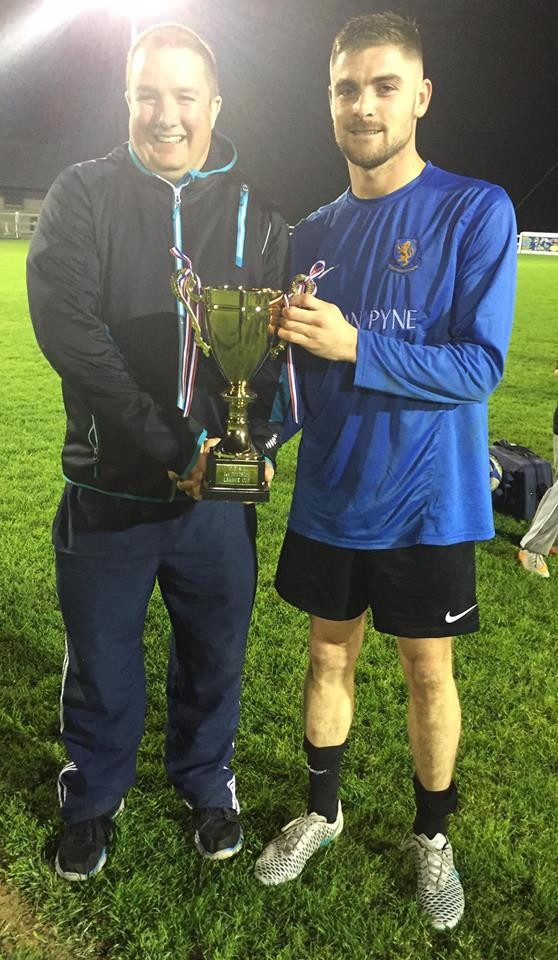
299,284
190,285
303,284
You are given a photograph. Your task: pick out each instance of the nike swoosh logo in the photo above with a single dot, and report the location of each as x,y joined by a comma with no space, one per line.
451,619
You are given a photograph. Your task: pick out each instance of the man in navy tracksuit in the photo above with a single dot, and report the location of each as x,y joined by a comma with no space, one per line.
143,407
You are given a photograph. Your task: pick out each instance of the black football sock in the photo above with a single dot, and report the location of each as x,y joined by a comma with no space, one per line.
433,808
324,767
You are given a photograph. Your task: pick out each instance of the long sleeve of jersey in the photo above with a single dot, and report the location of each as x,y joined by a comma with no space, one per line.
65,295
469,365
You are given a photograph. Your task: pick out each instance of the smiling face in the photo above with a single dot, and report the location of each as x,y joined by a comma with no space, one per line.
173,110
376,96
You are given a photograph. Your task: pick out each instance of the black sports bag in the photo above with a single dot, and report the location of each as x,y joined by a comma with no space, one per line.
525,479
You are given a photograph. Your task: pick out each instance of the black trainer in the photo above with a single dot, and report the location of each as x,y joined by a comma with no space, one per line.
218,833
83,847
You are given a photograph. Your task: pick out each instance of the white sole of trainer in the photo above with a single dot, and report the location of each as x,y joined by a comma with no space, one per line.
77,877
442,927
225,854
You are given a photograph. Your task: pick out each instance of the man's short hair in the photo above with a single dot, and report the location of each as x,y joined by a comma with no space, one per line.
176,35
377,29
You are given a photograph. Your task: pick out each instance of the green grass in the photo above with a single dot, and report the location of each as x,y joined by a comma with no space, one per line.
156,899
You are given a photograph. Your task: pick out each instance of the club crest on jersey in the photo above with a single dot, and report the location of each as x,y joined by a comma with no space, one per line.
405,256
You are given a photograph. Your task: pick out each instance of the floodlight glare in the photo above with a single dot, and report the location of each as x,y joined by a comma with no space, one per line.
53,14
50,15
133,8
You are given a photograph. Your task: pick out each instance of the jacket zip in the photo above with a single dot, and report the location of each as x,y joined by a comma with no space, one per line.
180,309
93,439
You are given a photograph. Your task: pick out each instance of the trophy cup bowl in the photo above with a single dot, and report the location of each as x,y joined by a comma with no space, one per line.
235,321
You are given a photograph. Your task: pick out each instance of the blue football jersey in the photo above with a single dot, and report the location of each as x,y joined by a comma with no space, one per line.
394,449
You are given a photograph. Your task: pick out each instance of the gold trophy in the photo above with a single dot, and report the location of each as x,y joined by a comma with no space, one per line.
235,321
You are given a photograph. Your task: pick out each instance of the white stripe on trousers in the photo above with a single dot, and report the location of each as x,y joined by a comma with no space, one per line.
62,790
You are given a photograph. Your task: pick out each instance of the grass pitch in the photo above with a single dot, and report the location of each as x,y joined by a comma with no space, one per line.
156,899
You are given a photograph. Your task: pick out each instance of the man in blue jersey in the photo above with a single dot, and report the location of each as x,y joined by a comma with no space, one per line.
142,410
396,360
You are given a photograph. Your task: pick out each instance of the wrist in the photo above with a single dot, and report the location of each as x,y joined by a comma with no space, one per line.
351,347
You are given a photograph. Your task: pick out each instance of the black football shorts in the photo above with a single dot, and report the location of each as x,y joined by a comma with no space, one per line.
418,591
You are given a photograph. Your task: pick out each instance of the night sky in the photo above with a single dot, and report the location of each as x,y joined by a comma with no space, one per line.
494,113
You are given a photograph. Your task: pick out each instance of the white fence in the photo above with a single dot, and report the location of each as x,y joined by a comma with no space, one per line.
15,225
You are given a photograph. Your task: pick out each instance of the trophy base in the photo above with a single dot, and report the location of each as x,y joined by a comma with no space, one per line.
228,478
242,494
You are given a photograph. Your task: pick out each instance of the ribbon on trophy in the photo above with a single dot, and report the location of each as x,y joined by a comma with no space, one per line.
302,283
187,282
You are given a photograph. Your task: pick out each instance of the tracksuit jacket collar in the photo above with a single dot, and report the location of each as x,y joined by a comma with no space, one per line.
221,158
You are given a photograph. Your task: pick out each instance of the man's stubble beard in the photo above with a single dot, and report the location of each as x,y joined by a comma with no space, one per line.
377,159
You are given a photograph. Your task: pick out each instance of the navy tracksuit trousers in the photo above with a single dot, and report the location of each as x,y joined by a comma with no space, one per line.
204,561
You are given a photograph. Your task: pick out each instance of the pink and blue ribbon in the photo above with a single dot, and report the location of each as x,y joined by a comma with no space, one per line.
189,360
307,284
